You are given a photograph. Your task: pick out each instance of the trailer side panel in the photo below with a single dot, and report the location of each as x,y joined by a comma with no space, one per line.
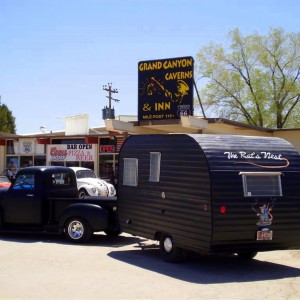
178,203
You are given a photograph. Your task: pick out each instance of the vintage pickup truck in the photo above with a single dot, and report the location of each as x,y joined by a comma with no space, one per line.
36,202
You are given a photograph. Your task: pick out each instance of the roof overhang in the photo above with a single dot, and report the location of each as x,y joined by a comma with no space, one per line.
116,125
186,124
193,122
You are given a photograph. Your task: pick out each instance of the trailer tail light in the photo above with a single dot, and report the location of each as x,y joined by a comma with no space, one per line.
223,209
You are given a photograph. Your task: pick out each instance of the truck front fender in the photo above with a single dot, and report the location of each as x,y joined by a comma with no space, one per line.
95,215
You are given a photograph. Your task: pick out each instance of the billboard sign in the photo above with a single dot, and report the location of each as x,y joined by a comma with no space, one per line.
165,88
72,152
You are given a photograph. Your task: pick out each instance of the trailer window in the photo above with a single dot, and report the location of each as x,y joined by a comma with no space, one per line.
130,172
261,184
154,166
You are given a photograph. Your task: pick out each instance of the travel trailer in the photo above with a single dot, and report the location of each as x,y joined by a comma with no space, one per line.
210,193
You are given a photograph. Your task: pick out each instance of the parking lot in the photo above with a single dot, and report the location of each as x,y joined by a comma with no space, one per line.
126,267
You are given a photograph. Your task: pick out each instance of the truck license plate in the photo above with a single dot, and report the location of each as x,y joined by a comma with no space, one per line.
264,235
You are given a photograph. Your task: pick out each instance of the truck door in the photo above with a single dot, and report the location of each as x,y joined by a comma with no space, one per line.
22,204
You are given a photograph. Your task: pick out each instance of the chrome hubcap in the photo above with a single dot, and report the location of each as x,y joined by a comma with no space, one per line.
168,245
75,230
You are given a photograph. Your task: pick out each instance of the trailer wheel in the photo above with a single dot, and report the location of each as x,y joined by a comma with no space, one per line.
246,254
77,230
168,251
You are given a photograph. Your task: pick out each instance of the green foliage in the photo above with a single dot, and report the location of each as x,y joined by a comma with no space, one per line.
7,120
254,80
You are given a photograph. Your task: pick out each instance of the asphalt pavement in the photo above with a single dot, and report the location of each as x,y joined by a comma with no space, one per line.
127,267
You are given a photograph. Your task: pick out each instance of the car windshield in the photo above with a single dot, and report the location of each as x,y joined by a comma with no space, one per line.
85,174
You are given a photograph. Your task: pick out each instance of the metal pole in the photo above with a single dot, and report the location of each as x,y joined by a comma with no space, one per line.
199,98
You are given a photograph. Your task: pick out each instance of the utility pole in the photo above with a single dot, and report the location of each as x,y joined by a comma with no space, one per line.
108,112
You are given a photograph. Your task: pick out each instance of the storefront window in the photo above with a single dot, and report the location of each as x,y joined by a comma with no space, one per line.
106,170
57,163
40,160
108,166
72,164
12,166
88,164
10,147
26,161
108,145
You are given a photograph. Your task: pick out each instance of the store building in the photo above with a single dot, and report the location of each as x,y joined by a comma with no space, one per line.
97,151
98,148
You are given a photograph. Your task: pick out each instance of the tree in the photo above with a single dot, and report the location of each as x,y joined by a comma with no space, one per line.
7,120
255,80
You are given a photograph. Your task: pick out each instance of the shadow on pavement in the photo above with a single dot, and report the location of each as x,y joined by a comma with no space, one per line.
195,269
98,239
206,269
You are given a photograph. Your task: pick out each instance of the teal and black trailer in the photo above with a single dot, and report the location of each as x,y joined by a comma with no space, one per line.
210,193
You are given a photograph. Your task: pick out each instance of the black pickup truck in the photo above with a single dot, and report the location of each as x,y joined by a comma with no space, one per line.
45,200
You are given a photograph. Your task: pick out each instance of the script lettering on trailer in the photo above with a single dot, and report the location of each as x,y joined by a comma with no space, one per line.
165,88
244,157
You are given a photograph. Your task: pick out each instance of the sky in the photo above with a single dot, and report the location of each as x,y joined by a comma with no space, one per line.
56,55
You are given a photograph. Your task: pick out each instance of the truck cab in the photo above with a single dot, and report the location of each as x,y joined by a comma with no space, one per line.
25,202
38,202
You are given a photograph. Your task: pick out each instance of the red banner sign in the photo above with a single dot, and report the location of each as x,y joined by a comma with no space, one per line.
107,148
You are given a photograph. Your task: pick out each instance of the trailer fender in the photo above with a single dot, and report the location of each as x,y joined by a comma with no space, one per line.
96,216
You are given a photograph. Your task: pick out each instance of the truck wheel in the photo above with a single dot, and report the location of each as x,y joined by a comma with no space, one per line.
168,251
82,193
78,230
246,254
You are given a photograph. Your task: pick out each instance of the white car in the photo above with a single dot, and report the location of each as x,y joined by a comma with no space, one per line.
89,185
